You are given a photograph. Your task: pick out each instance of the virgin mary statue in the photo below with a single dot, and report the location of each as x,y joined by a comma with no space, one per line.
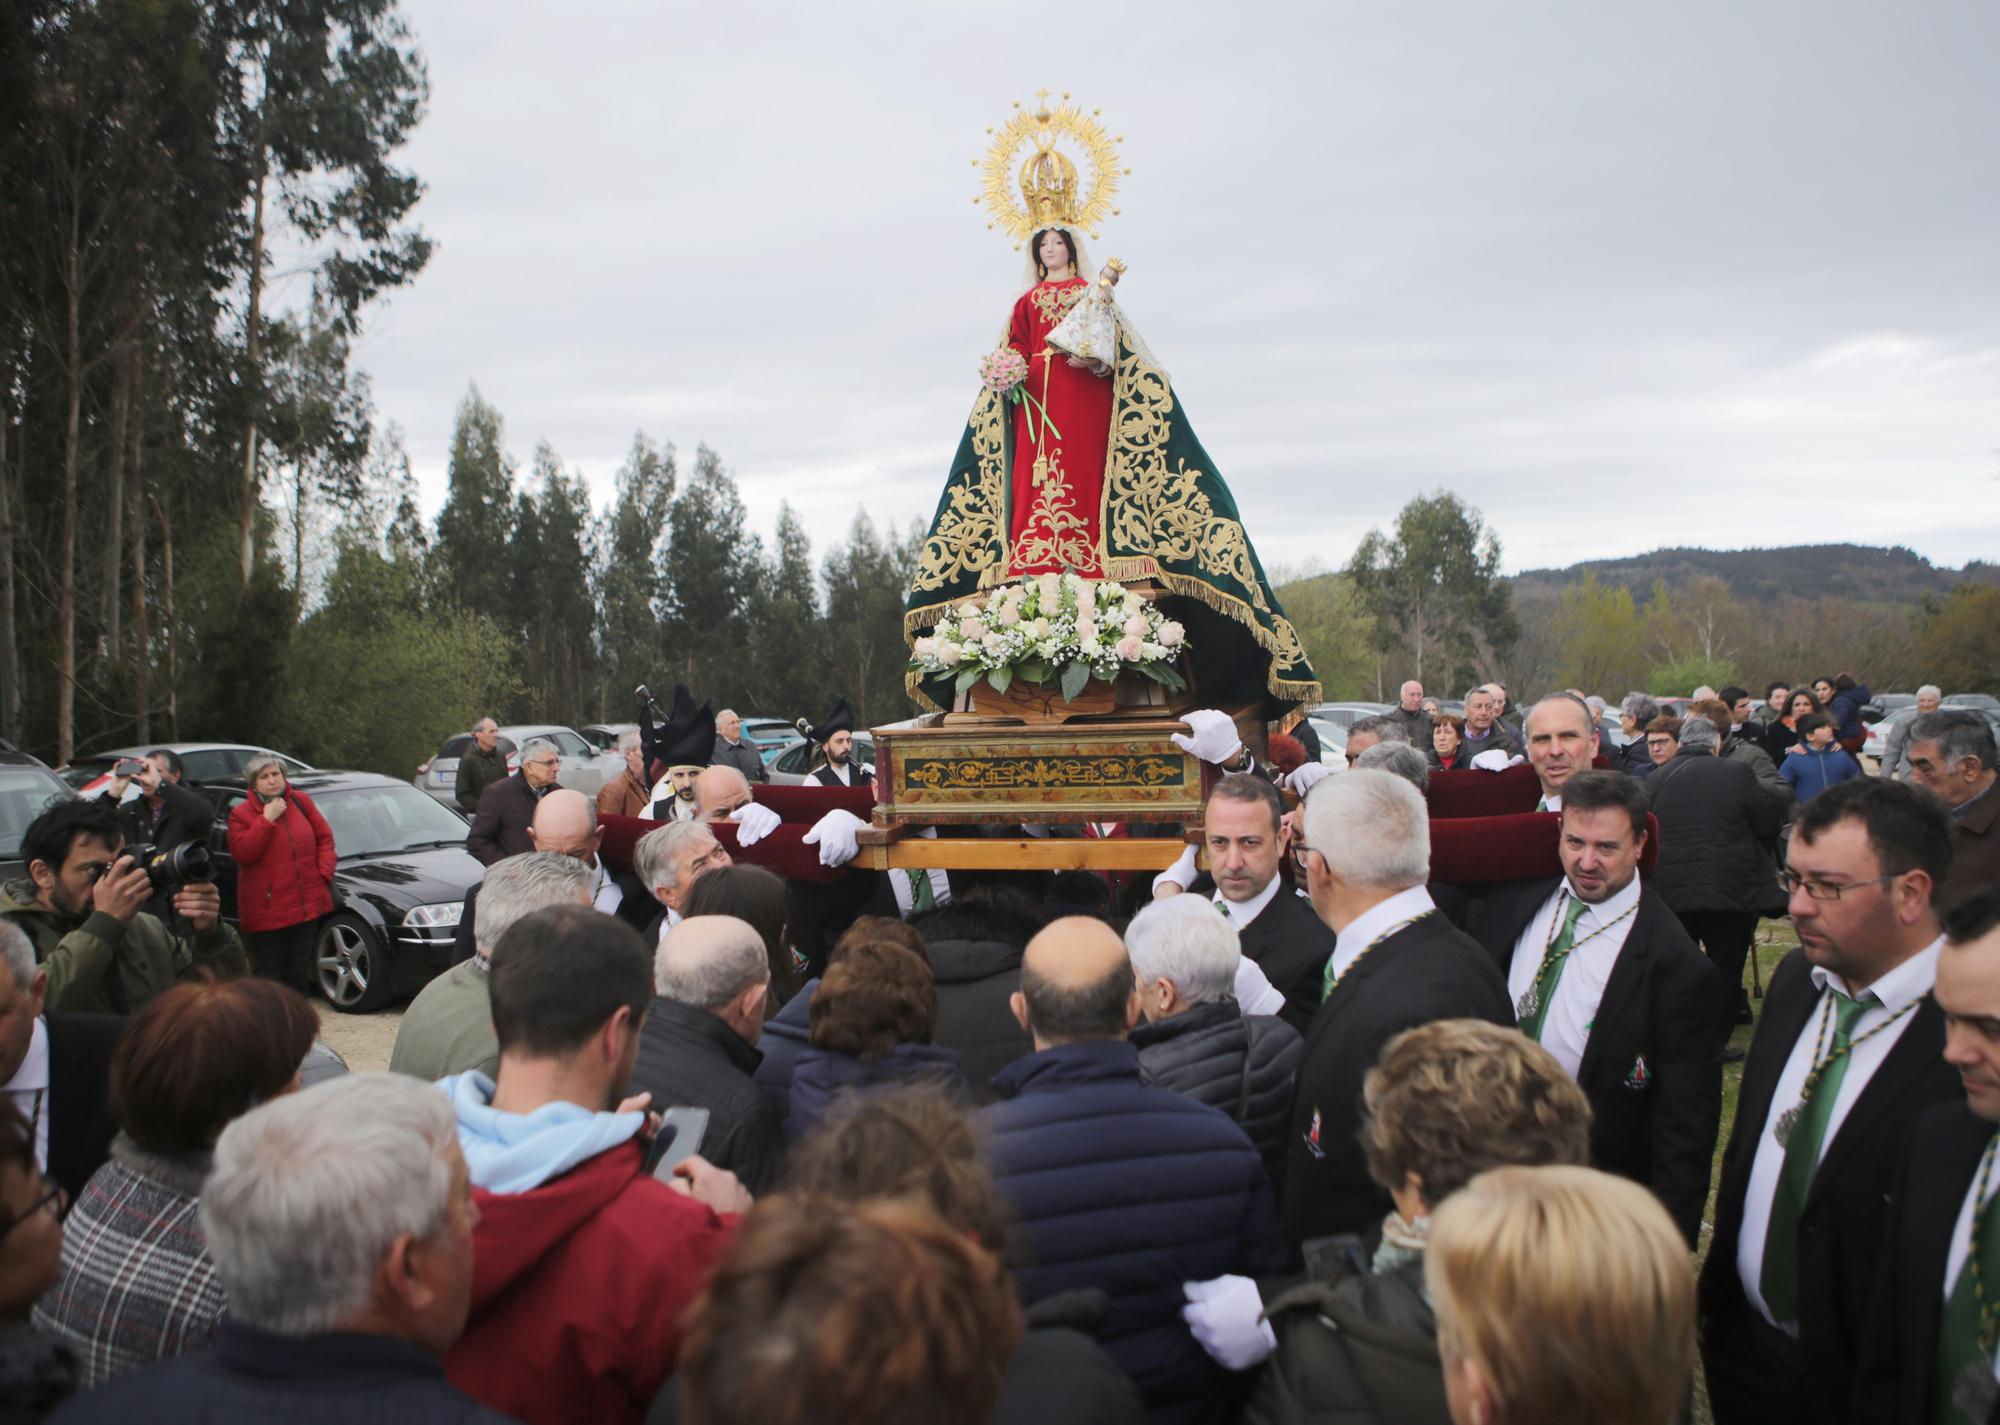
1090,464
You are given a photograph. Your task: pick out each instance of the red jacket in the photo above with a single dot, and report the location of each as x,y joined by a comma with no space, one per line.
578,1287
284,868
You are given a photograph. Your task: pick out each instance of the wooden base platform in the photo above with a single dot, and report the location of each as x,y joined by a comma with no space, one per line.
1029,853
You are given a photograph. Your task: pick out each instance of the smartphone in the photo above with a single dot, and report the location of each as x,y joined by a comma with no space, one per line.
679,1138
128,767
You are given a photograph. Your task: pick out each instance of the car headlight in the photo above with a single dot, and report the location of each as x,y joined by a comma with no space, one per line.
435,917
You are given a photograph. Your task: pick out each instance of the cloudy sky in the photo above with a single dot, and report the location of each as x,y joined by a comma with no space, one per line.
1622,276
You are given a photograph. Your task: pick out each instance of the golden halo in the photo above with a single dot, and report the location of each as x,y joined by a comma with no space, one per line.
1042,189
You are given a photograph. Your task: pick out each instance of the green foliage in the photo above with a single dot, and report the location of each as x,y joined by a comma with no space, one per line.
710,563
1958,640
1597,630
477,521
1681,676
1337,631
865,580
1434,591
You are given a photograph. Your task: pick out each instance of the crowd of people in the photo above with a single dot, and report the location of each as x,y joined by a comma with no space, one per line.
1396,1099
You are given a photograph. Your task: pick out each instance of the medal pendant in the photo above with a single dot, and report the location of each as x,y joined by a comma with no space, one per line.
1973,1393
1782,1129
1529,1005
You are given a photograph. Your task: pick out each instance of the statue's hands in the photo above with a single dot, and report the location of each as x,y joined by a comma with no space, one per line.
1110,274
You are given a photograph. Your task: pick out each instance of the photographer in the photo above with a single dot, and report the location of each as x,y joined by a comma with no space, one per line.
81,906
284,867
161,812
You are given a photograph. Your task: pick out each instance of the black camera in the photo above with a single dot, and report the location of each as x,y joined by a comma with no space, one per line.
170,868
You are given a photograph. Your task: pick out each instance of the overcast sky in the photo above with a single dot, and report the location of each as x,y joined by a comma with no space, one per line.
1622,276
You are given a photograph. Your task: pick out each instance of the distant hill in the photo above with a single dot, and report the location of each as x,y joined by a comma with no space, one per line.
1869,573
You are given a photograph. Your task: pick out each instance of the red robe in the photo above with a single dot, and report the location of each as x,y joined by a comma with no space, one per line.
1056,500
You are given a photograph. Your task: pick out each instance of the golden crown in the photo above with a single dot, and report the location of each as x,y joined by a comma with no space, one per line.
1046,189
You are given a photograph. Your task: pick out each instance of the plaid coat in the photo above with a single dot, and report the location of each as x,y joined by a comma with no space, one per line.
137,1284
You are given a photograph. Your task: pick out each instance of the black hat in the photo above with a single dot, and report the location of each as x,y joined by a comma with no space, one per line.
841,719
688,739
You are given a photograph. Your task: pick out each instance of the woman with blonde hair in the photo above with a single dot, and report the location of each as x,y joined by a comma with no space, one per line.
1564,1296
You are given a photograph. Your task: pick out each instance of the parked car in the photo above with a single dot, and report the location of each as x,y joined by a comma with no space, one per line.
604,735
1984,701
398,885
583,766
200,762
1347,714
27,786
792,767
1332,740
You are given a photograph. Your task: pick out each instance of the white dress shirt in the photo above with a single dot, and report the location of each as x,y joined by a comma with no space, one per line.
29,1089
1594,950
899,882
605,893
1961,1240
1241,913
1362,930
1907,983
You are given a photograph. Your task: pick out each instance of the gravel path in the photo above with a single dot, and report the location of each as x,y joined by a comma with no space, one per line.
363,1040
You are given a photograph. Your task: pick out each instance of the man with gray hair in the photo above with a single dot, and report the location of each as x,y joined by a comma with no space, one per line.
1896,741
669,858
1398,963
448,1028
479,766
698,1048
1951,753
1399,758
54,1068
1195,1038
1363,733
630,793
340,1221
1484,732
507,808
733,750
1409,713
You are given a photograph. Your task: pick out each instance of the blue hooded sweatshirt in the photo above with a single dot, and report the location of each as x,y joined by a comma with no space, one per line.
516,1152
1811,772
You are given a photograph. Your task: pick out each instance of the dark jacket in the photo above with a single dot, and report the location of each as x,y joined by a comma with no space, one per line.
743,756
1811,770
787,1034
476,772
1360,1352
1634,758
821,1078
1417,724
1650,1067
1243,1064
637,909
689,1058
1845,710
500,826
1716,825
184,815
1747,748
80,1123
1289,943
1840,1229
1500,735
255,1377
1975,848
284,868
98,964
1134,1190
1892,1378
976,980
1426,971
37,1373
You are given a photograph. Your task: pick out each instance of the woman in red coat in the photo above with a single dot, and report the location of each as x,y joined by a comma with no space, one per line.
284,873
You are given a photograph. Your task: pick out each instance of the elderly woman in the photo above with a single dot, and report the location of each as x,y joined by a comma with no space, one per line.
1447,742
1444,1103
630,793
137,1282
284,873
1564,1296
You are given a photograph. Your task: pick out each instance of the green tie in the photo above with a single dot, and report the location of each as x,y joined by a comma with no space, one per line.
1780,1277
921,896
1534,1006
1966,1337
1223,907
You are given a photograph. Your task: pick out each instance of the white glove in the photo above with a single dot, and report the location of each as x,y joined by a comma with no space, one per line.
1254,991
1227,1317
754,822
1213,737
1181,873
834,835
1307,777
1494,759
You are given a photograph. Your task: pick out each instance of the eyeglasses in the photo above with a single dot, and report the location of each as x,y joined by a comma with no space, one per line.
55,1199
1299,853
1791,882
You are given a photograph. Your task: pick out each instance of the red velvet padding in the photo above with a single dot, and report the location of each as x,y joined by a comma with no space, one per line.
1488,849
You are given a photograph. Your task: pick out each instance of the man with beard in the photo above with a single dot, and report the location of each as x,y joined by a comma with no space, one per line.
684,745
835,738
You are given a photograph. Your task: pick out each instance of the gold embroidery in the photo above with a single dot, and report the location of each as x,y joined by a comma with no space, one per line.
1054,532
966,536
1042,773
1054,303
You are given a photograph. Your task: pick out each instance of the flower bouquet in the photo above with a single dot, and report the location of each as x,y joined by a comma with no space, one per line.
1053,628
1005,373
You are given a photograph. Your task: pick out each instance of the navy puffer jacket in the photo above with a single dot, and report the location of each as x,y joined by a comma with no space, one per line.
1134,1190
1716,826
1243,1064
820,1078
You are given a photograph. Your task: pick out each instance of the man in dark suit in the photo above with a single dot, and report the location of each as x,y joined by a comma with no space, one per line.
565,822
1398,964
1603,976
1243,833
500,826
54,1069
835,740
1925,1348
1845,1059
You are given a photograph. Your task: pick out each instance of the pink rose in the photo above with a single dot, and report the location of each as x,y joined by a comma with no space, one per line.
1086,630
972,630
1135,626
925,647
1171,634
1128,648
1010,614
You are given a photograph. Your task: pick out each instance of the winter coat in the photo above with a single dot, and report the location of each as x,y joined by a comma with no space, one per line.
1243,1064
476,772
253,1377
689,1057
1744,748
184,815
284,869
1362,1352
37,1373
822,1078
787,1034
98,964
1813,771
1845,710
976,980
1634,758
582,1263
500,825
1716,825
1132,1189
743,756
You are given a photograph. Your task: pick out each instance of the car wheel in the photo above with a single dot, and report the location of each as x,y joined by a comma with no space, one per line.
353,967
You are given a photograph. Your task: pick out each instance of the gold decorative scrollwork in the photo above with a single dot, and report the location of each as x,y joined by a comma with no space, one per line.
1000,774
966,537
1054,303
1054,533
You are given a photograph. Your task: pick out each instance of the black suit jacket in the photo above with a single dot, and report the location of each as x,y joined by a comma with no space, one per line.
80,1123
638,910
1892,1378
1425,972
1661,1006
500,826
1840,1230
1289,943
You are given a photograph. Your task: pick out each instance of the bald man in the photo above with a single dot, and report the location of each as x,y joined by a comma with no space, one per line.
1120,1185
565,823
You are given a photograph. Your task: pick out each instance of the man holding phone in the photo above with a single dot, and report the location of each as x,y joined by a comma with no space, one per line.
152,805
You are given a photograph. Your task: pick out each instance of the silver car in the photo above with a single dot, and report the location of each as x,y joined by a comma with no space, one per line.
583,768
793,767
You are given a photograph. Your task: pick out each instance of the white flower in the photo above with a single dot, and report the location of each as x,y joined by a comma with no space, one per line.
950,654
1009,615
969,609
1086,600
1171,634
1151,652
1086,629
926,647
1091,649
972,630
1071,580
994,645
1135,626
1111,591
1133,603
1128,648
1049,586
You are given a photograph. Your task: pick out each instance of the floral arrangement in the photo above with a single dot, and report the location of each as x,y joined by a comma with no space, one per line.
1050,627
1005,374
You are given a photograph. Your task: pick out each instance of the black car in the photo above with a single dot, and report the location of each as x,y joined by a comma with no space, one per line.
26,786
398,885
